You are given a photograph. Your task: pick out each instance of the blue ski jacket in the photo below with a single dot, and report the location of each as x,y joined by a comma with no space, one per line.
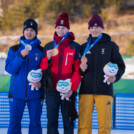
19,68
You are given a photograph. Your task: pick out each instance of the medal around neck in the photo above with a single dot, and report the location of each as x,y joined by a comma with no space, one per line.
28,47
55,51
84,59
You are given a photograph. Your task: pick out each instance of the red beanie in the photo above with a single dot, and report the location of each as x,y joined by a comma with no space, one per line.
95,21
63,20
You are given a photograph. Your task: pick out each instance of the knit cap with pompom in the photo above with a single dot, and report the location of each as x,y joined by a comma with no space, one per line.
95,21
63,20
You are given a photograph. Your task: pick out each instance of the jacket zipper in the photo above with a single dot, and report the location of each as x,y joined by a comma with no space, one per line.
26,78
13,82
60,61
66,59
95,74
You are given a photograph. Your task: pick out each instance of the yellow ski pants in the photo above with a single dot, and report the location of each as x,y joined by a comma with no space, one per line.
104,109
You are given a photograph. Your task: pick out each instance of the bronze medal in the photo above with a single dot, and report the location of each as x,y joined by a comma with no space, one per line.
84,59
55,51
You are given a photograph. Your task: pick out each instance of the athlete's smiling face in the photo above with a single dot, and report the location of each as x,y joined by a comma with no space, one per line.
95,31
61,30
29,33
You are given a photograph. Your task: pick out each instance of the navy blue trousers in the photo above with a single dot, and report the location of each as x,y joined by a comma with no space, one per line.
53,102
16,112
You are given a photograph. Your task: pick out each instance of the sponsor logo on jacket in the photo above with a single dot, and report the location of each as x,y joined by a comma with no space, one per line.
103,51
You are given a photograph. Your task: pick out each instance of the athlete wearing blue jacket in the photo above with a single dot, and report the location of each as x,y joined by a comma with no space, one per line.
21,59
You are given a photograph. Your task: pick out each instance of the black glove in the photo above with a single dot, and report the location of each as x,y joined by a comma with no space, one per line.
47,81
72,113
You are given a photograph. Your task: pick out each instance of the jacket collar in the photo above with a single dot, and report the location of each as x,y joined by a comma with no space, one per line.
68,39
33,43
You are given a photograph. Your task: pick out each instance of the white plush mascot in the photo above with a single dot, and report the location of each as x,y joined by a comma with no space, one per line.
110,69
63,86
34,76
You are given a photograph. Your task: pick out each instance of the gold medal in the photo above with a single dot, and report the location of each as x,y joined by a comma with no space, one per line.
55,51
84,59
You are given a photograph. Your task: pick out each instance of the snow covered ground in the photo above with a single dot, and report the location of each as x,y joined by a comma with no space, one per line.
25,131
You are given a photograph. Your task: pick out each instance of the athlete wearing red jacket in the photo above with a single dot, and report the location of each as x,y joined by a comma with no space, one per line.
64,62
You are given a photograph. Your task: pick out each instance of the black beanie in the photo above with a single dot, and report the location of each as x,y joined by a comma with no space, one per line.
30,23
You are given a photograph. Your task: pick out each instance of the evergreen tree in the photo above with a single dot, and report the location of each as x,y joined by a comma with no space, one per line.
13,18
31,8
48,10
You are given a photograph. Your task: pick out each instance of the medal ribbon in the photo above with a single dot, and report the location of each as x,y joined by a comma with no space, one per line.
24,44
88,47
27,42
56,45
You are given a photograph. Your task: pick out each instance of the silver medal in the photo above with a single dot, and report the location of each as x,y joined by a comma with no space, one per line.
28,47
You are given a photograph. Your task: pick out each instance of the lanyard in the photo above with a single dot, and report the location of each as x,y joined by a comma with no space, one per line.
56,45
24,44
88,47
28,46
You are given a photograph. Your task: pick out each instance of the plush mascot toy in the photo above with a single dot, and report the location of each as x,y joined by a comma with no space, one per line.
110,69
63,86
34,76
